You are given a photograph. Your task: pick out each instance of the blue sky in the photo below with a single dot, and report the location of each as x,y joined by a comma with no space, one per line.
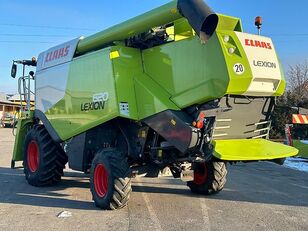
29,27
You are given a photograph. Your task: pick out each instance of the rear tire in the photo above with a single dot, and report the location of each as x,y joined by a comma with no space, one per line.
209,178
44,160
110,179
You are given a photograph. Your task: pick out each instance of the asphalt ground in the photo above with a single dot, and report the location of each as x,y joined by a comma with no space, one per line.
258,196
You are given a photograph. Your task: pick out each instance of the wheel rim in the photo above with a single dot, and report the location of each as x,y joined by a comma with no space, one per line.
33,156
201,174
101,180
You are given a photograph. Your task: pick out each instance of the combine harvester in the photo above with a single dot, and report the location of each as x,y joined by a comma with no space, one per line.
178,87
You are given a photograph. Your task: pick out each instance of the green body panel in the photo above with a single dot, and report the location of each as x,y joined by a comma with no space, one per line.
127,64
144,96
151,97
238,84
24,122
302,147
88,75
187,70
159,16
118,71
182,29
251,149
229,23
193,72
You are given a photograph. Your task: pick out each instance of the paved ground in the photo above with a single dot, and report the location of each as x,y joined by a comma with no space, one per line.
261,196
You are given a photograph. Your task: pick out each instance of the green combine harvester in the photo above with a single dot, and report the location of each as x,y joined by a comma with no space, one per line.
178,87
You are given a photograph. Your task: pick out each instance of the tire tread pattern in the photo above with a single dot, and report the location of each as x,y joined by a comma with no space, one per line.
52,158
217,179
120,173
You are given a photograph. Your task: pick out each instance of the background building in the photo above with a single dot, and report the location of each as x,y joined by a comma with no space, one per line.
7,106
11,103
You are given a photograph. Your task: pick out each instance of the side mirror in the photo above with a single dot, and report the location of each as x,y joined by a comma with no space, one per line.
14,70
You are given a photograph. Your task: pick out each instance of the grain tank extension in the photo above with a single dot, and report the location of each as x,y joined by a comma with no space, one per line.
178,87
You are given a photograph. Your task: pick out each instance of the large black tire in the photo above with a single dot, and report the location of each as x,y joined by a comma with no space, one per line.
209,178
44,160
110,179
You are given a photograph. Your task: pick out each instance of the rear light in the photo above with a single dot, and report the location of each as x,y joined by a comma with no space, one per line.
200,122
202,115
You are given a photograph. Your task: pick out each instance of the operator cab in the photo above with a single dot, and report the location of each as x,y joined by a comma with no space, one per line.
24,82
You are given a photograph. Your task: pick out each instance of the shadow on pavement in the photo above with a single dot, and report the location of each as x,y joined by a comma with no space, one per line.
257,184
16,190
262,182
230,194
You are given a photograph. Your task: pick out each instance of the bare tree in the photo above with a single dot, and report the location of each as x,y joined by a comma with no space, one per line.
298,81
295,96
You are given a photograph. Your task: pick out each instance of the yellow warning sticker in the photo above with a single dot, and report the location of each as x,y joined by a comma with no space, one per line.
114,55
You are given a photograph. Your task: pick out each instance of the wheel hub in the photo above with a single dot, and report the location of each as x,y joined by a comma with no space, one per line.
201,174
101,180
33,156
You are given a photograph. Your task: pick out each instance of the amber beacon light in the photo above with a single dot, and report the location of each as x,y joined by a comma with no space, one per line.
258,24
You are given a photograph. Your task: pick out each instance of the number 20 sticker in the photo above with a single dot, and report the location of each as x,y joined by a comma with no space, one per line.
238,68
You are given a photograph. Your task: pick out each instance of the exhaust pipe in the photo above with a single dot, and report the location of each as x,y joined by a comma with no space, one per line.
202,19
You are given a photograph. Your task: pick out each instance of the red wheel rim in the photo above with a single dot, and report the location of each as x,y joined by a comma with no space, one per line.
201,174
33,156
100,180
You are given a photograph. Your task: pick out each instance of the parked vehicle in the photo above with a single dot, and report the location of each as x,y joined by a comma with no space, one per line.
178,87
8,120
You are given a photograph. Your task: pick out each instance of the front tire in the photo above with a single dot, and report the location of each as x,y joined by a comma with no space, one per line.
209,177
110,179
44,160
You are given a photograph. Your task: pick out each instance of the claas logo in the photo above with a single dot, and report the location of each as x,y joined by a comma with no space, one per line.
57,54
257,43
